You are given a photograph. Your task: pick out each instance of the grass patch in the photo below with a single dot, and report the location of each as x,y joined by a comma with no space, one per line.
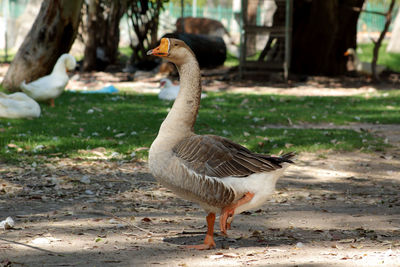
390,60
231,60
125,123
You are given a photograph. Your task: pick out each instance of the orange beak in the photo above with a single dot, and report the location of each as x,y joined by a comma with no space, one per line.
346,53
161,50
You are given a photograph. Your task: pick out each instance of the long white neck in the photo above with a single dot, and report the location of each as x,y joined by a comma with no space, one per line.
182,116
59,67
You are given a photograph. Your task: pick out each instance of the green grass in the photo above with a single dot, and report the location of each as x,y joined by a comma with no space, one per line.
125,123
125,54
231,60
390,60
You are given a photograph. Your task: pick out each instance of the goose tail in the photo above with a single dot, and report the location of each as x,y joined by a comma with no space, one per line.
288,156
25,88
23,85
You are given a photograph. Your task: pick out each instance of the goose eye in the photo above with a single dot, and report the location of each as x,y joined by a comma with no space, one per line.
175,44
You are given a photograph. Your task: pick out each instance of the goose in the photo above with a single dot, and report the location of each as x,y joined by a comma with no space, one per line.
18,106
218,174
169,91
51,86
354,64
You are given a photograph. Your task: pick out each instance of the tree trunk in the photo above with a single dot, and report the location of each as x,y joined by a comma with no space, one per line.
144,18
394,42
111,40
51,35
377,44
89,61
101,46
322,32
252,6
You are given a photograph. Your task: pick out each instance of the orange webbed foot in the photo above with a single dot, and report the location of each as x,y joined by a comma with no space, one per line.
229,222
227,212
208,244
209,239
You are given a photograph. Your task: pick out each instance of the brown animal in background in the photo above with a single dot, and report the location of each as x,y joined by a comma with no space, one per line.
201,26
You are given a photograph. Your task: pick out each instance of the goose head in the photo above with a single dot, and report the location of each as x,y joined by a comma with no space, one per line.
173,50
66,61
350,52
164,83
353,63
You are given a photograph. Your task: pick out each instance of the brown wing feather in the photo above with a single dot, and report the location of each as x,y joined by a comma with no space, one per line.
219,157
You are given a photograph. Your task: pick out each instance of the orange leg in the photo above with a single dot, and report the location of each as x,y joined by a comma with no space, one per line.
52,102
209,240
229,211
229,222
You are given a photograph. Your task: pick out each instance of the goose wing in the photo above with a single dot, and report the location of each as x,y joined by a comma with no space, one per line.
49,81
216,156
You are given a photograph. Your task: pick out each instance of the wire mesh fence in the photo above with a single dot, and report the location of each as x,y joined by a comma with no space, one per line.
14,22
370,22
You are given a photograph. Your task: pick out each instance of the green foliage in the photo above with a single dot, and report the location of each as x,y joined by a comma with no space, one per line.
125,123
10,55
200,3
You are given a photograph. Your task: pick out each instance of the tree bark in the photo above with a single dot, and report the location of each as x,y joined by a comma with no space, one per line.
252,6
394,43
322,32
378,43
101,46
144,17
89,61
51,35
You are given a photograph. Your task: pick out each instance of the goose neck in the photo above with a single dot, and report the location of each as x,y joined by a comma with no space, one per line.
182,116
59,67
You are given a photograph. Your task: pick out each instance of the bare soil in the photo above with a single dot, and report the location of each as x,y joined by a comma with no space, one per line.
330,209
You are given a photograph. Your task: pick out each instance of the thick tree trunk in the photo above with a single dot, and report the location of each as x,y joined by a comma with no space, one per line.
322,32
111,40
51,35
394,42
101,47
252,6
89,62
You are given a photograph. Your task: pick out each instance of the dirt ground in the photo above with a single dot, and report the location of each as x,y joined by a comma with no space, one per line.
330,209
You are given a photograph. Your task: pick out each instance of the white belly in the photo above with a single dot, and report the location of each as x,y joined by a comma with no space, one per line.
262,185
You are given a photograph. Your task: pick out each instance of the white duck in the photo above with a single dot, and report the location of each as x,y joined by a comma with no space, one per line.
169,91
215,172
51,86
18,106
354,64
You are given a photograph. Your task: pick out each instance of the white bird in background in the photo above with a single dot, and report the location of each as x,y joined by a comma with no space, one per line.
18,106
354,64
169,91
51,86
